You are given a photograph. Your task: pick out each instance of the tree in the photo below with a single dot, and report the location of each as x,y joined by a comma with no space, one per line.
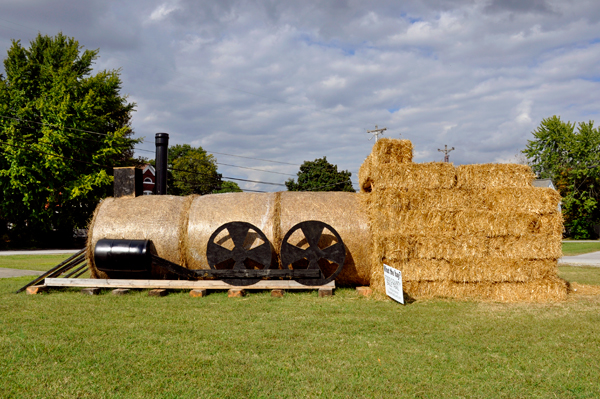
53,170
191,171
320,175
572,160
229,187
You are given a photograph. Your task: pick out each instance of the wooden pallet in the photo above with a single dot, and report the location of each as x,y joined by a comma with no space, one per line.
180,284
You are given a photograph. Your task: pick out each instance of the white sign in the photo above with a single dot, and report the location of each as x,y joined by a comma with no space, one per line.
393,283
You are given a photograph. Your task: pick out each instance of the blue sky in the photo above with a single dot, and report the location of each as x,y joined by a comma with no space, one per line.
294,81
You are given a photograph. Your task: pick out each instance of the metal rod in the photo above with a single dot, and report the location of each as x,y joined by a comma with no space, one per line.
162,152
77,275
75,262
43,276
76,270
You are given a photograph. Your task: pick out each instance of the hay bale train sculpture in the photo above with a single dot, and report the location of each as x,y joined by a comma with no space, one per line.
472,231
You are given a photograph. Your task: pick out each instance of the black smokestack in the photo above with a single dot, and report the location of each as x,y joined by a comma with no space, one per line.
162,151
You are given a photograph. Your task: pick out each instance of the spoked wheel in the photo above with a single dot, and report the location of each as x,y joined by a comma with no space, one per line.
239,245
313,245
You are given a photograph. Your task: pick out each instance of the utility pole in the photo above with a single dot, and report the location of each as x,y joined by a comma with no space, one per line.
446,151
376,132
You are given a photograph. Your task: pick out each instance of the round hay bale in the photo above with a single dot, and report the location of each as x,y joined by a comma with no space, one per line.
275,214
160,218
209,212
345,213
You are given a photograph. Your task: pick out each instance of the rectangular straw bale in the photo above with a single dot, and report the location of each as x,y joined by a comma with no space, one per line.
467,222
549,289
527,199
501,175
434,246
416,176
365,179
494,224
395,201
534,246
388,150
385,152
544,290
473,270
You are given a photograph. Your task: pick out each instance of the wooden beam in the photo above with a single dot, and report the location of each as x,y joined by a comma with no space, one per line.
180,284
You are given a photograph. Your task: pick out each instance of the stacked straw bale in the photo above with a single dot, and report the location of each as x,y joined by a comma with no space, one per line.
473,231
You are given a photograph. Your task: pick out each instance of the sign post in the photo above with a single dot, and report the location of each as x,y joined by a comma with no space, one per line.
393,283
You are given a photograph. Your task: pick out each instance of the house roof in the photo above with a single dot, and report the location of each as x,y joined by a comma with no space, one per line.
543,183
149,167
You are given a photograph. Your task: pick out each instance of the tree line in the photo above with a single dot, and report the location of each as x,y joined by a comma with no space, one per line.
569,154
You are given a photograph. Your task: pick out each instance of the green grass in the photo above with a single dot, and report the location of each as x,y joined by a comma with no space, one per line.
32,262
64,345
580,274
579,248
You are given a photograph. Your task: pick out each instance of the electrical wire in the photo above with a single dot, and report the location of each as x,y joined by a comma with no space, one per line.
64,127
260,170
152,142
227,177
54,155
139,149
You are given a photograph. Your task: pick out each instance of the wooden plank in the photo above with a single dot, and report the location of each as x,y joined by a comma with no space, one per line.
180,284
252,273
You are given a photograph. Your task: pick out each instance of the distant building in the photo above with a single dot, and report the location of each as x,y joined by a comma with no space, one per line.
544,183
149,179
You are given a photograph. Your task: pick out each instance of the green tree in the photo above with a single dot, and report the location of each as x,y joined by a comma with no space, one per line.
229,187
571,158
52,176
191,171
320,175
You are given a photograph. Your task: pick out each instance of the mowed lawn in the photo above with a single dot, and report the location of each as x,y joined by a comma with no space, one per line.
571,248
64,344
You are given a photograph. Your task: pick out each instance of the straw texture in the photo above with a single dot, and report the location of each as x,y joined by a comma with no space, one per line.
180,227
473,231
161,219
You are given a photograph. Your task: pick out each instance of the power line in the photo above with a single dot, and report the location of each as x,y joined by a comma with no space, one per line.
64,127
55,155
228,178
260,170
152,142
232,155
104,166
139,149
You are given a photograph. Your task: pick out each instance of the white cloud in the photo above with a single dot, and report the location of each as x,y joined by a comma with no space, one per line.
162,11
291,81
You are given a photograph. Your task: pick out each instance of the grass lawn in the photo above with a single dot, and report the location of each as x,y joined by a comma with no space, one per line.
32,262
579,248
580,274
64,344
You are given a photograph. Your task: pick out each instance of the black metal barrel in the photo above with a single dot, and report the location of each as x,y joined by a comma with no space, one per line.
130,259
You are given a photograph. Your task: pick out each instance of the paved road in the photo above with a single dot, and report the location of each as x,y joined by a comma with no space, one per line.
18,273
40,252
591,259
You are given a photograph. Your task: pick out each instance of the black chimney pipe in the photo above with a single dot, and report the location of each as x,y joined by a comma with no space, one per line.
162,151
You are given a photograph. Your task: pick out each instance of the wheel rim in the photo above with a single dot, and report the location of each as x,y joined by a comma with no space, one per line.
242,254
313,231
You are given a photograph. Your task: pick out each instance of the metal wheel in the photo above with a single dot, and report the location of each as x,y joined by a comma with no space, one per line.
243,255
321,252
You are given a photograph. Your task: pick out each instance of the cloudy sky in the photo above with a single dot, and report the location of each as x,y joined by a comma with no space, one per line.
290,81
